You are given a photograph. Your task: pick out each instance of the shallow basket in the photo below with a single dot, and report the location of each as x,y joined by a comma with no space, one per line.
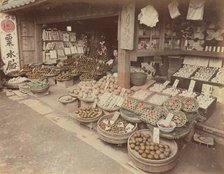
138,78
110,137
192,100
130,116
66,102
87,120
39,90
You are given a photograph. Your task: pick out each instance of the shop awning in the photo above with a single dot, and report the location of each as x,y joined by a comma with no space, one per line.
12,4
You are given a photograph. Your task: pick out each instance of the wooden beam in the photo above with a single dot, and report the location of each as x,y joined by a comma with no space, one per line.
124,55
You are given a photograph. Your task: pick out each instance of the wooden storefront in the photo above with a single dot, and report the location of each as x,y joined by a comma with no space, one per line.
31,18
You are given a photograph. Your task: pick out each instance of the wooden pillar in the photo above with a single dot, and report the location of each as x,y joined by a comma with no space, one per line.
126,28
124,69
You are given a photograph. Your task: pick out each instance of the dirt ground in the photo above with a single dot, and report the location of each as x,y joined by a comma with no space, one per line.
38,136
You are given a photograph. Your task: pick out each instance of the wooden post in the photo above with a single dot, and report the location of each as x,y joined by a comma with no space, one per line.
126,28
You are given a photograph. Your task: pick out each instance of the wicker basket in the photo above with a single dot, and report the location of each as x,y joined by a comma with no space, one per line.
138,78
40,90
87,120
154,166
110,137
130,116
185,106
66,102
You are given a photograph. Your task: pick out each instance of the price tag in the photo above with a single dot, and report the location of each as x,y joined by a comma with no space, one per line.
94,104
110,62
129,127
107,84
168,119
156,135
176,82
166,83
191,86
114,118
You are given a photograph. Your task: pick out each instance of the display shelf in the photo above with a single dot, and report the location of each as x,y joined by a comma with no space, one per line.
146,53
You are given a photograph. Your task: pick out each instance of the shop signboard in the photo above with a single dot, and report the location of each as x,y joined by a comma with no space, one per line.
127,26
9,43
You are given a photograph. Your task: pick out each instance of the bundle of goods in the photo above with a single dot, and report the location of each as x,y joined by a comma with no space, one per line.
109,102
186,71
15,82
158,99
173,104
38,86
66,99
150,156
171,91
189,104
88,114
204,73
115,130
219,78
151,116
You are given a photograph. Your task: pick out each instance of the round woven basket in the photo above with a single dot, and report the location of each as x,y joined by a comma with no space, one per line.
40,90
154,166
110,137
87,120
138,78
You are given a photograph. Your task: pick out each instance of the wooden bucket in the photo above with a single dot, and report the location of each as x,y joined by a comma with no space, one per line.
113,138
154,166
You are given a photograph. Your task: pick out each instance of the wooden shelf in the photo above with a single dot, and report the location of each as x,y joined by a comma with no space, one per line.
146,53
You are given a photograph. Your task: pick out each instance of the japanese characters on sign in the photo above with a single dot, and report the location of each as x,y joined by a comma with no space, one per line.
9,43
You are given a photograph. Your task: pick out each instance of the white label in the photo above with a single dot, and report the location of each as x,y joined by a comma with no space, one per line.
114,118
214,49
94,104
129,127
108,128
105,121
156,135
218,49
176,82
166,83
191,86
206,48
168,119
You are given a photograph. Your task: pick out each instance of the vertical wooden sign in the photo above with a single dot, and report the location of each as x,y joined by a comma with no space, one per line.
9,43
127,26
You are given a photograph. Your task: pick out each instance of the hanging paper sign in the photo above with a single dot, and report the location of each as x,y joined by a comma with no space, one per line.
9,43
